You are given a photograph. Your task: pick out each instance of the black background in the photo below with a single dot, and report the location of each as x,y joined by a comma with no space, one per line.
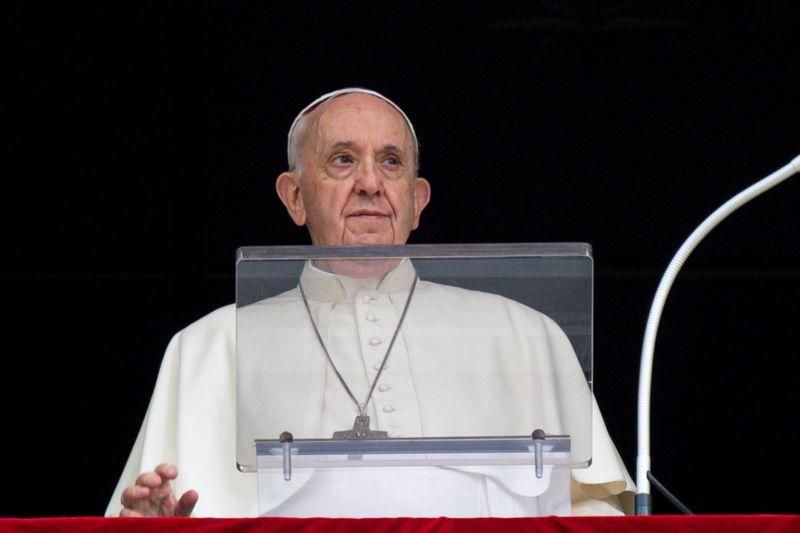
143,141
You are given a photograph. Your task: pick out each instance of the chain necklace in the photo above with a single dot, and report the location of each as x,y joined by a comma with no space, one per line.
360,429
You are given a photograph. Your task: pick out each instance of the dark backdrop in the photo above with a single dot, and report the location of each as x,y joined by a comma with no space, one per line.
143,141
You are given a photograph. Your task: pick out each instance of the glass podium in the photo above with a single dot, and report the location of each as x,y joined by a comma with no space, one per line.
402,380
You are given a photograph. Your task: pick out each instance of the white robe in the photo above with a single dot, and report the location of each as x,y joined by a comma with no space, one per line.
191,419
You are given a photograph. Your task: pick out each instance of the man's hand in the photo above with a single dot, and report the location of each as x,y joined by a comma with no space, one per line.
152,495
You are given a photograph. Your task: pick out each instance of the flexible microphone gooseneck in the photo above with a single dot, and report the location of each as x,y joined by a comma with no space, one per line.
643,503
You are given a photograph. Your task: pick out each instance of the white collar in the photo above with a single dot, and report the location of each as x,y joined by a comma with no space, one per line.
325,286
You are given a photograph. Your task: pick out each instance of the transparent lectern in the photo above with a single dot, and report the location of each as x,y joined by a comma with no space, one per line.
417,380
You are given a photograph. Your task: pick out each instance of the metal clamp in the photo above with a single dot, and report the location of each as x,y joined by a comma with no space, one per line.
286,439
538,437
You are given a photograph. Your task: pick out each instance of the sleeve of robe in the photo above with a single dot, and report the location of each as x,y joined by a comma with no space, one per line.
190,422
605,488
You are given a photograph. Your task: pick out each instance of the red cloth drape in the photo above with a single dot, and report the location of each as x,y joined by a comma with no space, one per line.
704,523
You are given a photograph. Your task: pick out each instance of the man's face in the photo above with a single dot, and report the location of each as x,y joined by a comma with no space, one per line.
358,183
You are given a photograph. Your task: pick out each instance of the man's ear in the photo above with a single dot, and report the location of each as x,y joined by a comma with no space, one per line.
422,195
289,192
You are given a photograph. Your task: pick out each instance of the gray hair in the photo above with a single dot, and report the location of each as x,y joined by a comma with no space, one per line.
297,131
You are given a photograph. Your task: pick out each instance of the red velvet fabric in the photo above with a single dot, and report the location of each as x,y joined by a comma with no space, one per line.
705,523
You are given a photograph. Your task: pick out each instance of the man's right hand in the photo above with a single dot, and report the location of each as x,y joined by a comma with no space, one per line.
152,495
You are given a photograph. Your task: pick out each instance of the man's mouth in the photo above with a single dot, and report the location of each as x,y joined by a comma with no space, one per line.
367,214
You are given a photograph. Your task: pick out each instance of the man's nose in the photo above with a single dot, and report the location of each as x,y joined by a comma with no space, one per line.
368,179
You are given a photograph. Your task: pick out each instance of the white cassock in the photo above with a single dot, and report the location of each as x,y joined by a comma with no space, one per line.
458,355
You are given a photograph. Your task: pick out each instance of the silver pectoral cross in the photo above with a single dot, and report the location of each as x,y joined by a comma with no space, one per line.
360,429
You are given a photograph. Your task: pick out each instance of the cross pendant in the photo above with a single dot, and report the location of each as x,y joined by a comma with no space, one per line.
360,431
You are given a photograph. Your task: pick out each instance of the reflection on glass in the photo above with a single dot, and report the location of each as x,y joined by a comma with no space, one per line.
414,342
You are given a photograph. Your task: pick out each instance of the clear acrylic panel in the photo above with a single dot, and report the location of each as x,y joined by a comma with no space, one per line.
453,341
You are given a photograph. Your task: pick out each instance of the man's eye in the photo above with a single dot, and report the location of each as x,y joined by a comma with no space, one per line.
342,159
391,160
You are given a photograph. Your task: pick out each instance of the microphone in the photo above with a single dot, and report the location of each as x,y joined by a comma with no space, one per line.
643,502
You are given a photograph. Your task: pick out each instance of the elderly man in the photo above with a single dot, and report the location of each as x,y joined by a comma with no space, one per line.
352,179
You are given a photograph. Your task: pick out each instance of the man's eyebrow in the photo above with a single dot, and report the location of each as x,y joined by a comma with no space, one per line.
343,144
351,145
393,148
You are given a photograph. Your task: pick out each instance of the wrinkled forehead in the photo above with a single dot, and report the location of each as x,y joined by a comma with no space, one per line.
350,90
355,118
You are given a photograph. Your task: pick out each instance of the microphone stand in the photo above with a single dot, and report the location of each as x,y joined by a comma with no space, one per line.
643,502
